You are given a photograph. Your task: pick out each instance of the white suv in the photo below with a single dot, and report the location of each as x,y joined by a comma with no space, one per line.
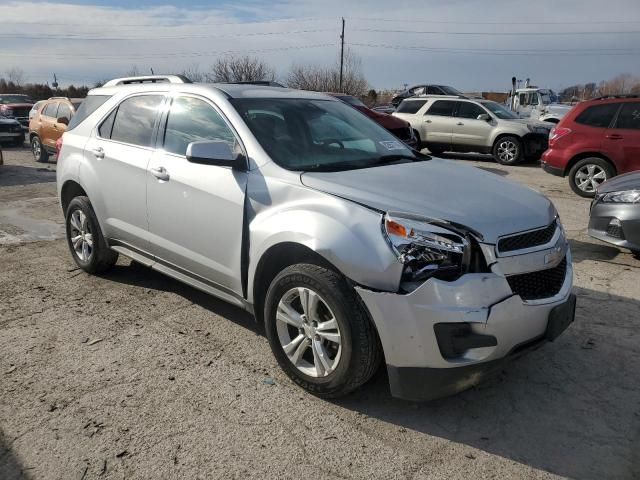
466,125
351,247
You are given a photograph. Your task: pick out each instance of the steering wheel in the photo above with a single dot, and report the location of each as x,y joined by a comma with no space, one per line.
331,141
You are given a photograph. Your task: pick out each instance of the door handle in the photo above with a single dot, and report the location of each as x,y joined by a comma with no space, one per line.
459,123
614,136
98,152
160,173
427,121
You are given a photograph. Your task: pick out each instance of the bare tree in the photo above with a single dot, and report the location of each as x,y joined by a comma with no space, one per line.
16,75
240,69
194,73
327,79
134,71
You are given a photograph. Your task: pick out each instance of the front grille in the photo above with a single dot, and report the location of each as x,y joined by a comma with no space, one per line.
21,111
531,239
540,284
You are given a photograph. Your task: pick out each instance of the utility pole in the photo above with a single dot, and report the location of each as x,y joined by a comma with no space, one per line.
341,54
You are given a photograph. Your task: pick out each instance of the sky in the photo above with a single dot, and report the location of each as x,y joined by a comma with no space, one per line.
473,45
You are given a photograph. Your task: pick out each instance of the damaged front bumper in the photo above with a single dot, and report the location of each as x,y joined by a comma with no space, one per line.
426,361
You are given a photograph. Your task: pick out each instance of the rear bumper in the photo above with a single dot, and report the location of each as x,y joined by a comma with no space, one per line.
554,162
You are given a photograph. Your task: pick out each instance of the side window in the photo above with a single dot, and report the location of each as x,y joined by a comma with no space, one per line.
442,108
64,111
104,130
190,120
523,99
469,110
417,91
51,110
431,90
135,119
599,116
410,106
629,116
86,108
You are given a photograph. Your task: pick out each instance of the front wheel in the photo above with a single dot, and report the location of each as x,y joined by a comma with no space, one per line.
39,153
84,237
588,174
508,150
319,331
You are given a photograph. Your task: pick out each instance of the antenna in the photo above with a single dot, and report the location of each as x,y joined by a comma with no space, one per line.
341,54
55,82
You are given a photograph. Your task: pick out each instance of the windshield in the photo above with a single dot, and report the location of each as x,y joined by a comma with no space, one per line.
5,99
499,111
549,96
450,90
351,100
304,135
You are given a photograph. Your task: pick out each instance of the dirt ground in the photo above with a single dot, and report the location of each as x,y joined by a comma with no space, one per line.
133,375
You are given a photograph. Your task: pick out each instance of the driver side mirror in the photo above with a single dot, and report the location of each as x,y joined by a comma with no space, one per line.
63,120
212,152
484,116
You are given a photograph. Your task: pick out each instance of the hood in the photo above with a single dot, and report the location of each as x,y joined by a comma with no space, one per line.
441,189
9,121
17,105
628,181
387,121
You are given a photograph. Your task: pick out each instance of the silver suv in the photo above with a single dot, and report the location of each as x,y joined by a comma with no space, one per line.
349,246
467,125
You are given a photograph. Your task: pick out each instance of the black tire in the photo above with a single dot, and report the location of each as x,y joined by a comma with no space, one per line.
508,150
100,257
418,146
600,166
360,347
436,150
38,150
636,254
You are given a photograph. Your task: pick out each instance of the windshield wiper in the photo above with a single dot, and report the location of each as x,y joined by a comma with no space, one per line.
386,159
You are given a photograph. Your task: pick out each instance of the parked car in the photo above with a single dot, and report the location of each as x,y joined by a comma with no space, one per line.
16,106
349,246
615,212
597,140
468,125
35,108
538,104
425,90
49,123
11,131
400,128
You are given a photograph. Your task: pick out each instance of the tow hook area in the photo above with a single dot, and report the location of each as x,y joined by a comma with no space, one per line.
454,339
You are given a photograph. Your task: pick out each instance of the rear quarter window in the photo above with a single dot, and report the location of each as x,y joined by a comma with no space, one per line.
410,106
86,108
599,116
629,116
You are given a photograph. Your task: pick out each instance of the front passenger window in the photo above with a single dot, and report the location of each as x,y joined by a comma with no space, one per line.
190,120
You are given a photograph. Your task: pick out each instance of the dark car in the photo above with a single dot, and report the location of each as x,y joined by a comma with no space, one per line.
615,212
400,128
595,141
11,131
425,90
16,106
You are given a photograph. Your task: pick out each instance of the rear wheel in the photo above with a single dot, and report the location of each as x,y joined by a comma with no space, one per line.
588,174
84,237
39,153
508,150
636,254
319,331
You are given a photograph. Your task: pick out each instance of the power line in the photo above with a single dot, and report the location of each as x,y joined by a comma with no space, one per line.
480,51
504,22
428,32
156,37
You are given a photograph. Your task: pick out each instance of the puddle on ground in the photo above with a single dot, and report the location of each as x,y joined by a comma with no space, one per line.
25,221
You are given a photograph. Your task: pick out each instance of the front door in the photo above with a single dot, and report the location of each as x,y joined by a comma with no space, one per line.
196,211
439,121
468,131
47,121
622,142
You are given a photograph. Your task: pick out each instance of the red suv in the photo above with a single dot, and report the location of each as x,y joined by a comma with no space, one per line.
595,141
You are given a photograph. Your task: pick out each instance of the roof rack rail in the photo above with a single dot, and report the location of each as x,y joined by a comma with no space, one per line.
263,83
147,79
626,95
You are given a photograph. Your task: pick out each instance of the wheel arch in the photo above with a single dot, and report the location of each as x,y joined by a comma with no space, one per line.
582,156
70,189
502,135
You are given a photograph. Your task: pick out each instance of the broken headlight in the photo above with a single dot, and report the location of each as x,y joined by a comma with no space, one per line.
427,248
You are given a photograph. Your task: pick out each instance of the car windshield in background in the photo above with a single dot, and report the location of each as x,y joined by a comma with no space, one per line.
450,90
6,99
548,97
499,111
351,100
321,135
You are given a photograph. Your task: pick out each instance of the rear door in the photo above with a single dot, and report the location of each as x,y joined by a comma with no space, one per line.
622,141
119,153
47,123
439,121
196,211
468,130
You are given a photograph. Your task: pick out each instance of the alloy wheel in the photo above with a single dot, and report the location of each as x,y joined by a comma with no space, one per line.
507,151
308,332
80,235
36,148
589,177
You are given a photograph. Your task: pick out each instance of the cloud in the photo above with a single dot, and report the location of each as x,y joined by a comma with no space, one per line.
170,38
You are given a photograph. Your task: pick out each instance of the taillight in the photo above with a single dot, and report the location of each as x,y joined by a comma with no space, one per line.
557,133
58,147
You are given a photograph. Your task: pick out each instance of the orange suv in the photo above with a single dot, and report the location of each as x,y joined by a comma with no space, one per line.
49,123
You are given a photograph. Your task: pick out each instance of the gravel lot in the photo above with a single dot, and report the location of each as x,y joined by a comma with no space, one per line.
133,375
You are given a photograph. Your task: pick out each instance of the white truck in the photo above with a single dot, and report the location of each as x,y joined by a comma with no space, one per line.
537,103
